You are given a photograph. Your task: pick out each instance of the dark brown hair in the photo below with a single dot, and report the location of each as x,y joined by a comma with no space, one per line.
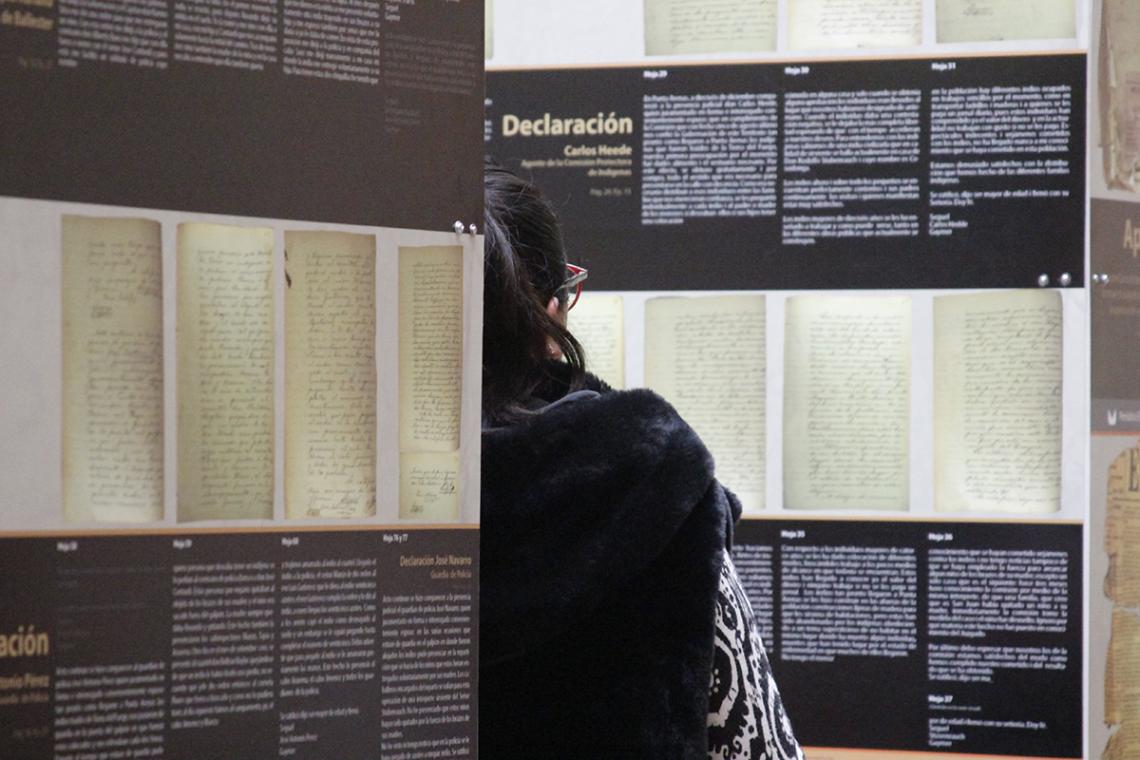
524,266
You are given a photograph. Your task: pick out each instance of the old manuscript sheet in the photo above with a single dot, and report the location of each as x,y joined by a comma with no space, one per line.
112,369
816,24
1120,93
330,375
1122,677
1122,530
429,488
986,20
847,402
225,372
488,31
1125,743
678,27
706,356
997,402
598,323
1122,586
431,361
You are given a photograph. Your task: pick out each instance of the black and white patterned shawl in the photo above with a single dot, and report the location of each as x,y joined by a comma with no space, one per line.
746,716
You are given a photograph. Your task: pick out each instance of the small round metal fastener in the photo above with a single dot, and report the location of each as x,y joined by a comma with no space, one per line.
458,227
1043,281
473,229
1066,279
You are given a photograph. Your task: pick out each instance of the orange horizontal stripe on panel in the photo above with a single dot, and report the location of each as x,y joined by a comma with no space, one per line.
837,753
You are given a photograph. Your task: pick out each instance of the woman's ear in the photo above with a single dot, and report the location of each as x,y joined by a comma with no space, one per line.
554,311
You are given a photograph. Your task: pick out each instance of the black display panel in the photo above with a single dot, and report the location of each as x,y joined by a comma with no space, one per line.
308,644
941,636
334,113
917,173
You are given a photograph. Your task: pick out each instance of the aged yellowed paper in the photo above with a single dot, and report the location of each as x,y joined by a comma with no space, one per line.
706,356
1120,92
986,20
598,323
847,402
488,31
429,486
1124,744
815,24
225,372
997,402
679,27
1122,671
431,343
330,375
112,369
1122,529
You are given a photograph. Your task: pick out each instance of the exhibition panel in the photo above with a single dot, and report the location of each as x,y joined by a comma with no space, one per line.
847,240
240,300
916,173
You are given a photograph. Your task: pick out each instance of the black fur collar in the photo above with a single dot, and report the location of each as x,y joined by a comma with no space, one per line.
602,537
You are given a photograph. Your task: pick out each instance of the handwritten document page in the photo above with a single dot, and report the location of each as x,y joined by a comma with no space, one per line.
431,343
112,369
1124,744
986,20
225,372
679,27
706,356
847,402
429,486
330,375
488,31
997,402
1120,106
816,24
1122,671
1122,530
597,321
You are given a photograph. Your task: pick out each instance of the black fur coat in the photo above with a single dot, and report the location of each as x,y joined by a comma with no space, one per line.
602,536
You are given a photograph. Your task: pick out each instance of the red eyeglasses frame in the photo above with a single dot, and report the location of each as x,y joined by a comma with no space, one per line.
576,275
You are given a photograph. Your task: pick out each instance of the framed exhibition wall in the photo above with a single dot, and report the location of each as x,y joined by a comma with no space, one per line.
240,296
848,241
